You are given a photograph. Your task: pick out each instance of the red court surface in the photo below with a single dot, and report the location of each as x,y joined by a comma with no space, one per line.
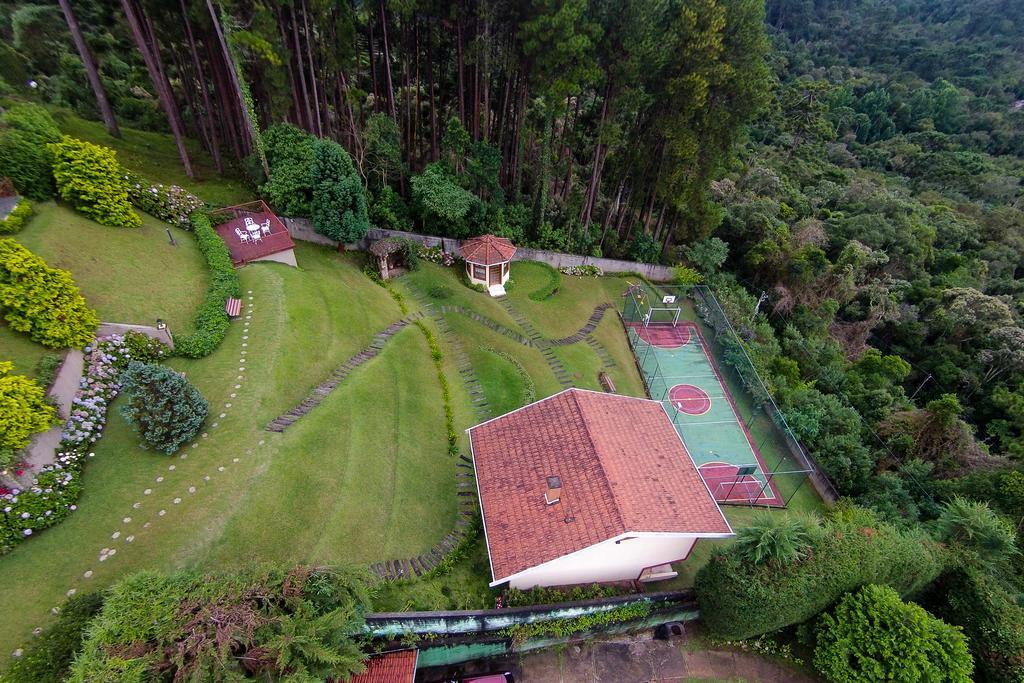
726,487
689,399
663,336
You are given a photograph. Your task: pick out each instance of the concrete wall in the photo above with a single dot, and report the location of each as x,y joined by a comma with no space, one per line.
302,229
621,559
462,622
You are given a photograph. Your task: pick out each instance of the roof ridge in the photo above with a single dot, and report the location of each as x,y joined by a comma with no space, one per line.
600,460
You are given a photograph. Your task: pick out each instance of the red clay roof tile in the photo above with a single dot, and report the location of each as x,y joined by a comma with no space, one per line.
393,667
623,469
487,250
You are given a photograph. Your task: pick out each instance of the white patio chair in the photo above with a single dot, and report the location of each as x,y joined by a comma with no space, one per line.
249,221
265,227
256,237
244,237
238,231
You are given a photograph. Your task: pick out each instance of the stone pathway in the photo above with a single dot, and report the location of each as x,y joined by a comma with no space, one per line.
561,374
601,351
43,449
322,390
487,322
581,334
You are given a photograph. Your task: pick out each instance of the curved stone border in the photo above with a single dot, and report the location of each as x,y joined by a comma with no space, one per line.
592,323
322,390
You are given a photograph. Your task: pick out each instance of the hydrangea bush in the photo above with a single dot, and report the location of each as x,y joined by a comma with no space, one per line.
54,493
170,203
437,255
582,271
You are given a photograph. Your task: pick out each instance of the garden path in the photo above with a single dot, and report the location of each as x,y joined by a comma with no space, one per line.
43,449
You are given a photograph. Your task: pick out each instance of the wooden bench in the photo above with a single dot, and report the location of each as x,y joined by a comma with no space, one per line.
233,307
606,382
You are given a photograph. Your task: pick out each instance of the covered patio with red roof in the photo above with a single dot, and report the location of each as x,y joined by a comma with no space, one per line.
253,233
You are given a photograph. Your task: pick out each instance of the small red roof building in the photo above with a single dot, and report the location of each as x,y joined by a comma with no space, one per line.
487,250
586,487
391,667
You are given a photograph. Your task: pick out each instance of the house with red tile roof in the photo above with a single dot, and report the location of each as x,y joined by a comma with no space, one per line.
585,487
389,667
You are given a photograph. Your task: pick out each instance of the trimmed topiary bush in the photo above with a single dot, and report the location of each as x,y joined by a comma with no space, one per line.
23,412
739,599
42,301
24,155
872,635
163,405
16,219
49,657
90,179
211,321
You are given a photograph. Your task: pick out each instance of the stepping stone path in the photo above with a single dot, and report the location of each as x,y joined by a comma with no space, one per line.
601,351
487,322
583,332
322,390
561,374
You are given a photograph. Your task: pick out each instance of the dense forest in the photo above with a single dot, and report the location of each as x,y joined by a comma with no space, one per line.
856,164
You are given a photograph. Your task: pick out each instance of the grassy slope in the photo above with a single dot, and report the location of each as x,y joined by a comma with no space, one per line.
364,477
155,157
130,276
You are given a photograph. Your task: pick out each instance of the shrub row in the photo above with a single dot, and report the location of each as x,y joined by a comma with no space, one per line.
446,395
561,628
549,289
42,301
15,220
739,599
211,321
24,155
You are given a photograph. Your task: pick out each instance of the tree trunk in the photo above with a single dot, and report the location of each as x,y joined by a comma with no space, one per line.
387,62
301,69
150,56
292,79
229,65
435,151
203,90
106,111
227,118
312,70
458,52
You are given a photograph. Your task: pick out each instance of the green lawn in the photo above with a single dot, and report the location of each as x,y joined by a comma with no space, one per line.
155,157
127,275
18,348
366,476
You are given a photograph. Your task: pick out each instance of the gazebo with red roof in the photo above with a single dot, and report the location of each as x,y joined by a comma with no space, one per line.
487,261
253,233
588,487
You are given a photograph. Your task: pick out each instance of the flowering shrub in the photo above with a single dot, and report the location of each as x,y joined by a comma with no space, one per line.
582,271
437,255
169,203
55,491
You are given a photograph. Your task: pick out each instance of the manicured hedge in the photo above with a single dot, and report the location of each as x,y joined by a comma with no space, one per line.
49,656
90,178
739,600
15,220
549,289
211,321
24,155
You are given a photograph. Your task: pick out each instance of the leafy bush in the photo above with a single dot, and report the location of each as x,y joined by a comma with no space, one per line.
388,210
443,205
549,596
976,533
739,599
437,255
549,289
290,156
260,624
163,405
24,155
90,179
42,301
211,321
775,538
586,270
991,619
143,348
439,292
49,657
169,203
339,203
872,635
23,412
15,220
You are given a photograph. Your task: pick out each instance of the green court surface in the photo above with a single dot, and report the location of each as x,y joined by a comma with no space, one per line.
681,373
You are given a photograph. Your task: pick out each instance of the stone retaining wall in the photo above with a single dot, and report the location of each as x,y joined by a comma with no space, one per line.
302,229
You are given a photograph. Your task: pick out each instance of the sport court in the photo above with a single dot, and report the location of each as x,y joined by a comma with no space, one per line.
681,373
